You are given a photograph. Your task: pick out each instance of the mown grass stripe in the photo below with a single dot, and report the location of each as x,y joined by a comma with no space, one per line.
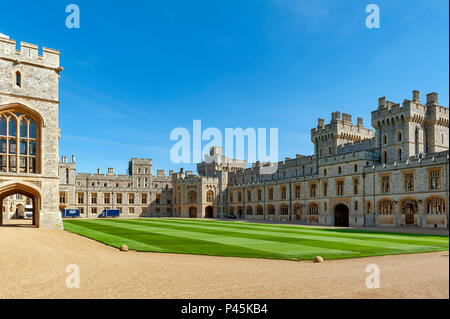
348,233
165,243
391,242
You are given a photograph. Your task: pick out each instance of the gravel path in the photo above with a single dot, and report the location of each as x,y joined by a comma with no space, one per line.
33,263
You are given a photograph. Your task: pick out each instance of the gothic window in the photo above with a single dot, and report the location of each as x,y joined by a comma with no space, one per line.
435,178
399,154
259,194
259,210
399,136
18,143
271,210
408,181
313,209
210,196
284,210
435,205
386,207
384,139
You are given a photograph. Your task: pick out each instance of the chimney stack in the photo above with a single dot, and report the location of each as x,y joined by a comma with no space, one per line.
382,102
98,170
320,123
416,96
360,121
432,98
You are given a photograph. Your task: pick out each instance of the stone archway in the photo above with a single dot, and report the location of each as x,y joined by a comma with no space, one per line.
209,212
409,207
193,212
28,191
341,216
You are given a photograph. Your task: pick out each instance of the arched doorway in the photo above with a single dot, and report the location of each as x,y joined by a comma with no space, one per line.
193,212
240,212
209,212
341,216
25,190
409,208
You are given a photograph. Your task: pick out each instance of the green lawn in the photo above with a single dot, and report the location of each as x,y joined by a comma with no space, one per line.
222,238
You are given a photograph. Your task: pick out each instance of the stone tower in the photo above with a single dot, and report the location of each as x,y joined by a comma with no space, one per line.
29,131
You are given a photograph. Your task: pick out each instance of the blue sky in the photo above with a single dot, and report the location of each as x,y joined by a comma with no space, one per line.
136,70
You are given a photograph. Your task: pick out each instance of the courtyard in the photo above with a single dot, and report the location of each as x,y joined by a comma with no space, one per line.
34,261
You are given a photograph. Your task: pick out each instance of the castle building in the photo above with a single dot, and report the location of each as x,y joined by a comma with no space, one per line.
29,131
395,175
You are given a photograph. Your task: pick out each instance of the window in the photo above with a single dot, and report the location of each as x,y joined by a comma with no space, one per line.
249,210
259,210
329,150
386,207
325,188
408,181
18,143
283,192
435,178
355,168
130,210
271,210
385,183
93,198
62,197
119,198
231,196
158,199
313,209
355,205
339,188
144,198
210,196
270,193
192,197
324,172
249,196
435,205
399,136
339,170
94,210
239,196
384,139
130,198
312,190
18,79
106,198
259,194
80,198
297,191
399,154
384,159
355,186
284,210
320,151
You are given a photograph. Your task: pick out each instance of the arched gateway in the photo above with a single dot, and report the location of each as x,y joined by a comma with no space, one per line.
26,190
341,216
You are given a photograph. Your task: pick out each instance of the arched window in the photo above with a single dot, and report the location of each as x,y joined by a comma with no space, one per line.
384,157
18,143
384,139
18,79
399,154
313,209
210,196
386,207
399,136
435,205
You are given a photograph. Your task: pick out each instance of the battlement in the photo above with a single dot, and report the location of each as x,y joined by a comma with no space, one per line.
29,54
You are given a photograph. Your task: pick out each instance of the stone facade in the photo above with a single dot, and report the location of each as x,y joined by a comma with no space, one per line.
396,175
29,131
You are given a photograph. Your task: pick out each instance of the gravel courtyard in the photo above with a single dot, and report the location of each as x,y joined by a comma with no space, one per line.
33,265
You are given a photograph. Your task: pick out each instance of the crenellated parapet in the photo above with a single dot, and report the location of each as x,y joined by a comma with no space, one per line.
28,54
